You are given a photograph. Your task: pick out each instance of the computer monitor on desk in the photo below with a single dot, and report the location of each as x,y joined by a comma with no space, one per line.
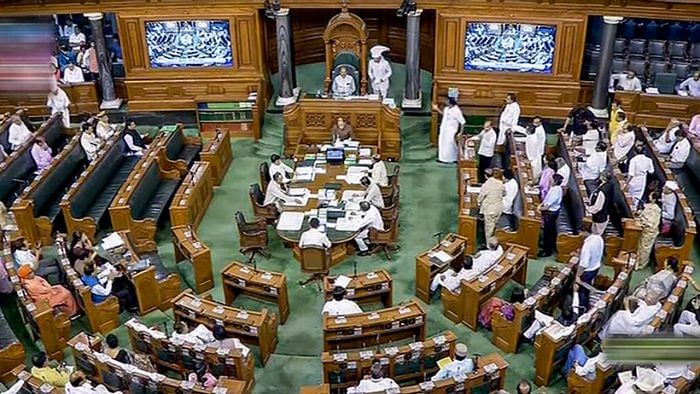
335,156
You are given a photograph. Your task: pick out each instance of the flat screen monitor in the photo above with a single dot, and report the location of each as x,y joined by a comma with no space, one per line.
190,43
335,156
509,47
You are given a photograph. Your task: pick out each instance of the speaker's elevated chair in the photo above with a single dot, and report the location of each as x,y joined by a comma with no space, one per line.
345,39
253,236
351,62
315,261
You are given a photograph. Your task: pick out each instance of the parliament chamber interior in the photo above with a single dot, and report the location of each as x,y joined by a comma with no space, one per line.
349,196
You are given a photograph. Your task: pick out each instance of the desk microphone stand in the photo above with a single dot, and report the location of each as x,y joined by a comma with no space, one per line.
354,268
438,237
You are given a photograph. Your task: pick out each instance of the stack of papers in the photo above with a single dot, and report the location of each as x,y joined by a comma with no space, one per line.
473,189
350,195
299,191
365,152
303,200
342,281
290,221
112,241
304,174
347,224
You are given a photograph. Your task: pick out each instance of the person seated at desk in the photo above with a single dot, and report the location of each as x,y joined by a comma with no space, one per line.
459,367
135,145
691,86
103,129
451,279
689,320
223,341
680,150
631,320
665,141
39,289
373,193
18,133
277,165
79,384
41,153
378,171
659,286
46,268
113,350
200,335
343,84
89,141
339,306
566,318
376,383
341,131
313,236
73,74
276,194
627,82
111,283
595,164
371,218
55,376
202,376
668,206
484,259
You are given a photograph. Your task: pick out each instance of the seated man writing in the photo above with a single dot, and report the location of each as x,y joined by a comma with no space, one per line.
277,193
341,131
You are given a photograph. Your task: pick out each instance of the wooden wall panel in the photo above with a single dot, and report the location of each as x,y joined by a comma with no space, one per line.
384,28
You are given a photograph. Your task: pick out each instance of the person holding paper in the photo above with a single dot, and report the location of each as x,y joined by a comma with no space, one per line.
376,383
373,193
341,131
313,236
460,367
277,166
451,279
275,193
339,306
371,218
566,318
200,335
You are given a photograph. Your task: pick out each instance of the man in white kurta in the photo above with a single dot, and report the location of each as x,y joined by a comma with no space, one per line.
459,367
18,133
534,150
373,194
278,166
371,218
376,383
564,170
343,84
540,133
640,166
451,279
665,142
450,126
103,130
680,151
89,142
313,236
73,74
379,71
339,306
58,101
631,320
484,259
627,82
509,117
275,194
378,171
595,163
512,187
624,143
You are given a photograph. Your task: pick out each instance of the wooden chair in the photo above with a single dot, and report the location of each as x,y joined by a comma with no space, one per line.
253,236
264,170
386,239
391,197
257,198
388,212
393,182
315,261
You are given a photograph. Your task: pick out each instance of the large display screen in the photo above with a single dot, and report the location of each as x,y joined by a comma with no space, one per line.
509,47
193,43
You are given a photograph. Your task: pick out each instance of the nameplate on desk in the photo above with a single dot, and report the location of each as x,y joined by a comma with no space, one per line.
415,346
239,282
266,276
366,354
350,292
341,320
218,310
357,331
245,270
439,340
373,316
404,310
612,289
243,315
682,284
371,275
195,303
662,314
426,386
510,256
498,268
673,298
340,357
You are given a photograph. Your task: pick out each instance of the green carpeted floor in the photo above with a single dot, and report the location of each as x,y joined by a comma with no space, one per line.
428,205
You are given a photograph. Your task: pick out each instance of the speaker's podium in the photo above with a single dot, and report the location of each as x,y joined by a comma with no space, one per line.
316,261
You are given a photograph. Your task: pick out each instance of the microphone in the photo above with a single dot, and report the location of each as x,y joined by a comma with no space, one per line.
354,267
255,264
437,236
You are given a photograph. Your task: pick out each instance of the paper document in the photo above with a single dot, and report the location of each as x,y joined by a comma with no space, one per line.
349,195
443,256
474,189
345,224
290,221
365,162
353,179
293,202
112,241
298,191
365,152
342,281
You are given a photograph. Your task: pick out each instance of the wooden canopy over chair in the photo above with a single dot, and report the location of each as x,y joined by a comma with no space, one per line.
345,38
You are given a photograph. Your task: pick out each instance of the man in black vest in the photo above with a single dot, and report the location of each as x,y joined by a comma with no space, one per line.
135,146
600,203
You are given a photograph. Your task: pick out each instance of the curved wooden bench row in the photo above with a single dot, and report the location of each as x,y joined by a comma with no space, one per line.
102,369
177,152
189,249
193,196
181,358
250,327
572,214
38,208
416,362
550,353
217,152
11,350
507,333
83,97
464,307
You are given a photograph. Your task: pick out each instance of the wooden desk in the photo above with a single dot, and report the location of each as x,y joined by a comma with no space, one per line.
309,121
464,307
550,352
428,267
237,278
669,311
467,156
102,369
217,152
467,216
321,389
187,246
193,196
373,328
656,110
34,385
256,328
507,333
83,98
170,356
417,361
366,287
478,381
604,377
